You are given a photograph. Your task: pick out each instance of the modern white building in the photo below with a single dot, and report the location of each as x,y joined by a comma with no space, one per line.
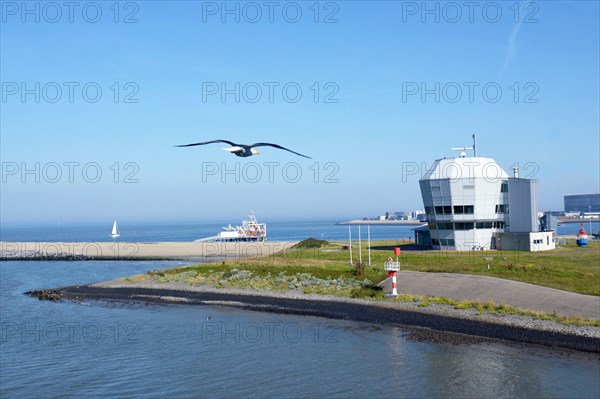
472,204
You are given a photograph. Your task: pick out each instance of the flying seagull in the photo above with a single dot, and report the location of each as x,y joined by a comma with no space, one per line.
243,150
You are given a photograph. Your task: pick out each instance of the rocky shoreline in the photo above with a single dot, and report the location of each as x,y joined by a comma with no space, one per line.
39,255
438,318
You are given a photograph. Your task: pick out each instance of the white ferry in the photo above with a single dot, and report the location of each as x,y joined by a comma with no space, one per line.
250,230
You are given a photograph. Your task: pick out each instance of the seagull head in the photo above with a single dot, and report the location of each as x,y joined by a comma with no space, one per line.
254,152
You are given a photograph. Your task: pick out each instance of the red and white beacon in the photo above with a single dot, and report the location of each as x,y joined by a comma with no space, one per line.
392,268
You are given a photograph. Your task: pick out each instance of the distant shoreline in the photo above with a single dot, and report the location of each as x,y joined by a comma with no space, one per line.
562,220
370,222
440,318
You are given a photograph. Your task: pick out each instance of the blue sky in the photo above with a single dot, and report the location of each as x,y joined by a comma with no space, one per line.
360,128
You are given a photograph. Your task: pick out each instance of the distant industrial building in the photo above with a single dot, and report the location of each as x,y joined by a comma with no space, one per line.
585,203
418,214
395,215
472,204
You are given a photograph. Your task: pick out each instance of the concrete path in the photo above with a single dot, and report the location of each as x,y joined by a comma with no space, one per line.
481,288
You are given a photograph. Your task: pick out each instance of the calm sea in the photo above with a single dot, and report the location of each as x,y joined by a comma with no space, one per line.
276,231
116,350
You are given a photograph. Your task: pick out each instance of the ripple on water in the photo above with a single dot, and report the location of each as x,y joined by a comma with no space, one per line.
171,354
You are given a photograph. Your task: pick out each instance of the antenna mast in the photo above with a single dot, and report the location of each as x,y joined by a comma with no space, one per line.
463,149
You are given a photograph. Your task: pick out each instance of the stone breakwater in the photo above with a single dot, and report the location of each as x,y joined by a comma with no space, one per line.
435,318
38,255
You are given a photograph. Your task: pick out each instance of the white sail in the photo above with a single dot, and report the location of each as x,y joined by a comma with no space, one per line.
115,230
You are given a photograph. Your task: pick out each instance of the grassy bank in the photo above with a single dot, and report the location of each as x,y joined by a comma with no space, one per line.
281,275
322,268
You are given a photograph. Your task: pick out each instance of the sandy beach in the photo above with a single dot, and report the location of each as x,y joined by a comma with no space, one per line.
139,250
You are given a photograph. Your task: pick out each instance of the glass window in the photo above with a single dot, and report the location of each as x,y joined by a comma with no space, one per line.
504,188
469,209
435,242
447,210
458,209
439,210
464,226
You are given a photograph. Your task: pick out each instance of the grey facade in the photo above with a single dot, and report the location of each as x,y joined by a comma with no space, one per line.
523,216
548,222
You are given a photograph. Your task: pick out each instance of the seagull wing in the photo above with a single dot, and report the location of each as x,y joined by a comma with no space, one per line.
208,142
277,146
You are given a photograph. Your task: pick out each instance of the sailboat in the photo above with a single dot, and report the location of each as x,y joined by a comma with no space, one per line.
115,231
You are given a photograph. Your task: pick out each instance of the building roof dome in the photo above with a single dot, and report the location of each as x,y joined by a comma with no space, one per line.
465,168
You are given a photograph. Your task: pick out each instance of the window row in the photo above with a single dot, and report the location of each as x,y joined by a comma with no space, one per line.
466,225
460,209
489,225
450,210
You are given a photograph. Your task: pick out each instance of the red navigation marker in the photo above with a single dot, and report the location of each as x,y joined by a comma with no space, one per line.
397,251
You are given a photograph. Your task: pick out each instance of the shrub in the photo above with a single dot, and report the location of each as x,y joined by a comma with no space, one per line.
311,243
359,269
